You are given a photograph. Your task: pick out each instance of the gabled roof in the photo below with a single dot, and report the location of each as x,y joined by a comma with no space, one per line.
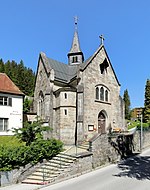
7,86
64,72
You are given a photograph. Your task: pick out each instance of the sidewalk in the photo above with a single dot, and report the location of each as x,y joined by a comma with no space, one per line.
21,186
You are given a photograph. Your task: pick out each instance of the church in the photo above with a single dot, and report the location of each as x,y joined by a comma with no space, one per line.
80,99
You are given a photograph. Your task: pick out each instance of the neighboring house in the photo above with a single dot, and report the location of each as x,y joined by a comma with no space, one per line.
136,113
79,99
11,106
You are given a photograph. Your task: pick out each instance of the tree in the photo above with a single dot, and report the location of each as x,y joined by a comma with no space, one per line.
146,113
127,103
23,77
2,66
26,105
31,132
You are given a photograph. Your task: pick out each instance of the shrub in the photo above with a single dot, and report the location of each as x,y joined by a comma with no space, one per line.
16,156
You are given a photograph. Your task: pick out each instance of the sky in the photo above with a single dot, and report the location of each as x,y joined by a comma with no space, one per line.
28,27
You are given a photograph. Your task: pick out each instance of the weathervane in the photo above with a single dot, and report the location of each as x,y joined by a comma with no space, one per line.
102,39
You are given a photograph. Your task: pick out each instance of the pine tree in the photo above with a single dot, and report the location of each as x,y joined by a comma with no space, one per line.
8,68
22,76
2,66
146,113
127,103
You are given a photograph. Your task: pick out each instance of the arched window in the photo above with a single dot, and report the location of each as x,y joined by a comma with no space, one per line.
102,93
41,104
97,93
106,95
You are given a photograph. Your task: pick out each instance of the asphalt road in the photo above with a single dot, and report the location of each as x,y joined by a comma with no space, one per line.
133,173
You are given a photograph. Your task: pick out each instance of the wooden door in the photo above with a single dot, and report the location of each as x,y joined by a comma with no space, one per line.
101,123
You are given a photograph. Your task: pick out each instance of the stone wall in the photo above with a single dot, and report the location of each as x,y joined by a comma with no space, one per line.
145,141
17,175
90,78
102,151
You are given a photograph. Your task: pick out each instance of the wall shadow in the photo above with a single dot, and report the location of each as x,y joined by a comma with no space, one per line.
135,167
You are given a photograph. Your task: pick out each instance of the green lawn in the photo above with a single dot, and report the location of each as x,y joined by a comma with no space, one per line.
9,141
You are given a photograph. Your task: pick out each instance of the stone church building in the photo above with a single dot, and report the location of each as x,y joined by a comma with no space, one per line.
80,99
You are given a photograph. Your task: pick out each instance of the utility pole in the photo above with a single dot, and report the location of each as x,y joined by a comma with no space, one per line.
141,137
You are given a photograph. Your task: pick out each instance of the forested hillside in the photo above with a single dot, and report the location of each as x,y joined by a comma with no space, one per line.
22,76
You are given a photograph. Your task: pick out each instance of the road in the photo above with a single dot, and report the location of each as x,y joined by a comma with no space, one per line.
133,173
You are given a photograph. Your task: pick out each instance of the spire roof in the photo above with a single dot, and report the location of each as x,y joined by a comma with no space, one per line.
75,43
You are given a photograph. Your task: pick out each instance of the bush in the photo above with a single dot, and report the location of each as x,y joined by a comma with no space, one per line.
16,156
137,124
28,146
144,125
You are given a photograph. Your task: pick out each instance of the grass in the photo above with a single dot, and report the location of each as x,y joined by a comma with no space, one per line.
9,141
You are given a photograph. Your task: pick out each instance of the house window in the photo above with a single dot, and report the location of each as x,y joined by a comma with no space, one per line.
74,59
65,95
97,93
5,101
102,93
3,124
106,95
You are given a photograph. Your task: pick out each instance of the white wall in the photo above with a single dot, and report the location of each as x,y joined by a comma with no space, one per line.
14,113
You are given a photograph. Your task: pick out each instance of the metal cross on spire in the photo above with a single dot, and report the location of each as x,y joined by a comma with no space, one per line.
76,20
102,39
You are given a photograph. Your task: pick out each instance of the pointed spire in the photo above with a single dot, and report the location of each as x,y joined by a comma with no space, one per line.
75,51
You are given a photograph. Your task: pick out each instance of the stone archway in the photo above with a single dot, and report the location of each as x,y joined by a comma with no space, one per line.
101,122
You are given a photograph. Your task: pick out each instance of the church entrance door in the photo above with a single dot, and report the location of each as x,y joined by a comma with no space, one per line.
101,123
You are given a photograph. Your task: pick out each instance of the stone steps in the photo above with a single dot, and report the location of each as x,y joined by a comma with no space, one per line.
50,170
84,145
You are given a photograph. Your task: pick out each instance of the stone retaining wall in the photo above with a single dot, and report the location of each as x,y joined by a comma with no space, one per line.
17,175
145,140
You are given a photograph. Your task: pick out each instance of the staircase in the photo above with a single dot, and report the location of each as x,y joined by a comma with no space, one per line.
50,171
84,145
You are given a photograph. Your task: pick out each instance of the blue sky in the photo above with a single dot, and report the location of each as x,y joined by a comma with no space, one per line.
31,26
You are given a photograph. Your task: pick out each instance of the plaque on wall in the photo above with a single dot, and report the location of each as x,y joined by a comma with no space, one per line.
91,127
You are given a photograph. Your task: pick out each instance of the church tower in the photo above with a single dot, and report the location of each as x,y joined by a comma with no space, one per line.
75,55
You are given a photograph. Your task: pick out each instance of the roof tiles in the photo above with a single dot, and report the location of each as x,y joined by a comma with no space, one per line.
7,86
